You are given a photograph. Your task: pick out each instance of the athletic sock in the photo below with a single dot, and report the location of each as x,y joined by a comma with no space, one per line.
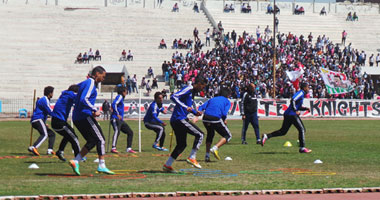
78,158
207,154
102,163
170,161
193,154
214,148
155,144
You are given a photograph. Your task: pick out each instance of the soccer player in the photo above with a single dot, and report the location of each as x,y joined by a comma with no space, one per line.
117,121
181,124
152,122
38,122
84,119
59,121
291,117
214,119
249,114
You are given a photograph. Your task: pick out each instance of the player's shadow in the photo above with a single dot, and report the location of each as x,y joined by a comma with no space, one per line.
61,175
40,162
271,152
22,154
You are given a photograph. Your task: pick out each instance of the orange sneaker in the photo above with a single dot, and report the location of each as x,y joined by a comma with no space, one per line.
168,169
114,151
194,162
33,150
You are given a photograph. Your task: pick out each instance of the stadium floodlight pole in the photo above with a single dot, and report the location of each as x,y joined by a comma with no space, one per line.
109,124
274,49
140,121
31,128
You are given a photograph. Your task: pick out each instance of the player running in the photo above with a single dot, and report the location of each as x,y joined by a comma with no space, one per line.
38,122
59,121
152,122
181,124
118,123
291,117
214,119
84,119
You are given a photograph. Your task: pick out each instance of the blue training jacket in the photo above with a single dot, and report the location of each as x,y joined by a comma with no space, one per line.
295,103
152,113
118,107
63,105
42,109
85,100
182,99
216,107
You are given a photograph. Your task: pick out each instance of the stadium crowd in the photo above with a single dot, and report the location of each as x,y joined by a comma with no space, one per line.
249,59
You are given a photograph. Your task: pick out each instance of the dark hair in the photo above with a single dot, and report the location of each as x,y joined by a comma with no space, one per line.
303,85
73,88
121,89
156,95
200,79
48,90
99,69
224,91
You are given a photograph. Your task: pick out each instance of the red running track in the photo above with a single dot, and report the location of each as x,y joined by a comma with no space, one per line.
345,196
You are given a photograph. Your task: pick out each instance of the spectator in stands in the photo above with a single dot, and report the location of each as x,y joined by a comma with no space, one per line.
226,8
123,56
129,85
196,8
171,83
154,83
344,36
323,11
355,17
85,58
299,10
164,95
220,27
377,59
349,17
106,109
130,56
371,60
195,34
276,21
258,32
143,83
175,8
148,88
269,9
162,44
245,8
79,58
208,35
150,72
233,36
134,84
91,55
175,44
267,32
232,8
97,55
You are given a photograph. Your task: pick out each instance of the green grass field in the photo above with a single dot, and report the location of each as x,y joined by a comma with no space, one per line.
348,148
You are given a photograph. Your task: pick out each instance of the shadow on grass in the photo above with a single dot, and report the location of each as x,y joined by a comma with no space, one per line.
272,152
64,175
22,154
42,162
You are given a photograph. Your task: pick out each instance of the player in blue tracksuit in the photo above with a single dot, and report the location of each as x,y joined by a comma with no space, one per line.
291,117
59,121
117,121
181,124
214,119
152,122
38,122
84,119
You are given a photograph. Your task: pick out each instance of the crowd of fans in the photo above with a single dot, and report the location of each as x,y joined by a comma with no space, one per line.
235,63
